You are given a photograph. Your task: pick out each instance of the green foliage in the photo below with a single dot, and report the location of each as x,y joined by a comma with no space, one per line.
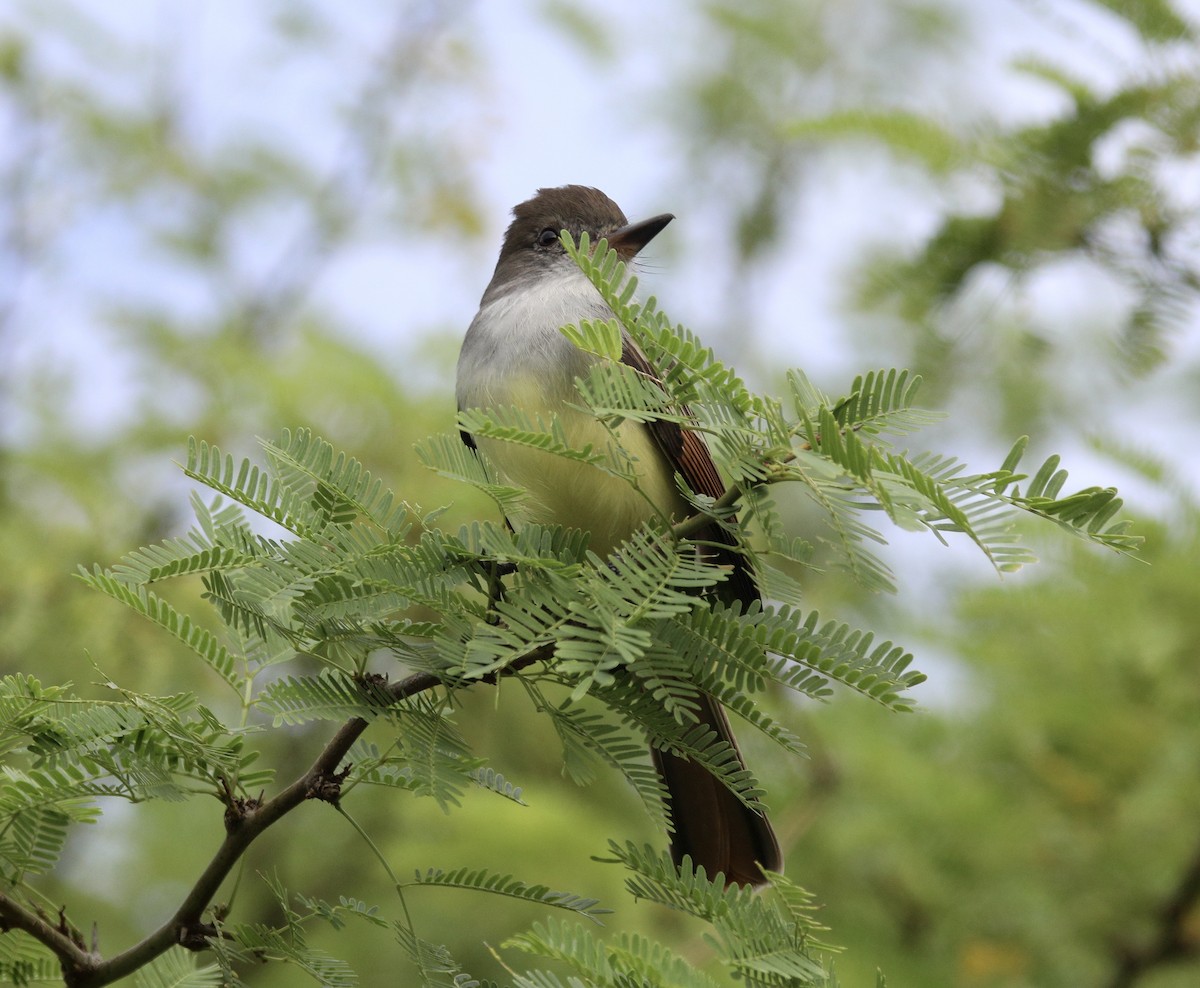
629,960
79,752
1057,202
361,575
178,969
24,961
149,605
288,943
836,450
1068,778
483,881
1064,772
260,943
363,583
761,940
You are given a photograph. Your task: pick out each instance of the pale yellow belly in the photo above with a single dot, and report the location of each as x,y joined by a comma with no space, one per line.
579,495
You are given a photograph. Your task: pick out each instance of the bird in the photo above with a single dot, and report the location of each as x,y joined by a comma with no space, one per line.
514,355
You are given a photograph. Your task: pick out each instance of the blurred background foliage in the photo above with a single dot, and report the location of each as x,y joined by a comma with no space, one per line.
225,221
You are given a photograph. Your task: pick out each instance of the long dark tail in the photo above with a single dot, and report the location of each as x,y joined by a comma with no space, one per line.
710,824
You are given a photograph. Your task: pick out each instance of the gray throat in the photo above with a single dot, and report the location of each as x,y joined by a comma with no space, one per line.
515,336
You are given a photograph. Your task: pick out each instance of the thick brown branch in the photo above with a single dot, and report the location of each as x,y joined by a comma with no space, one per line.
185,928
84,970
14,916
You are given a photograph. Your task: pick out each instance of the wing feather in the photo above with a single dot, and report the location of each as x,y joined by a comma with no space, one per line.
689,456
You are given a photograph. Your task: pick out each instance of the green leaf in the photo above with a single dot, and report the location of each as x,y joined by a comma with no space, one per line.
177,968
257,942
450,457
630,960
25,961
482,880
163,614
330,695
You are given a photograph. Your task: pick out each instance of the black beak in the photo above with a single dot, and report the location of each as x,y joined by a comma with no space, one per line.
632,237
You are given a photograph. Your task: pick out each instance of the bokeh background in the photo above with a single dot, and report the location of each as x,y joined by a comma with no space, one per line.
222,219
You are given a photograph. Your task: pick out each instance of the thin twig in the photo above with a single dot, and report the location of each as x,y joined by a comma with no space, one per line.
702,519
82,969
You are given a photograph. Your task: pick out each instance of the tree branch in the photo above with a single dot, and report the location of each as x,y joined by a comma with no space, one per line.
14,916
244,822
725,504
700,520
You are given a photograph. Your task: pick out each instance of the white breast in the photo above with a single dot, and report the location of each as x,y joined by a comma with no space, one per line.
514,355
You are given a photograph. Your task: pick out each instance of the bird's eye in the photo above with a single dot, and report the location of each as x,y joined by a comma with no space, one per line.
548,237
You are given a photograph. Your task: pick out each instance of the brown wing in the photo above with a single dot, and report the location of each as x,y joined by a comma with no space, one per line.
709,823
689,456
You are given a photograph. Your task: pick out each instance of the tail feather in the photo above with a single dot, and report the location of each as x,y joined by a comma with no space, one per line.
709,823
